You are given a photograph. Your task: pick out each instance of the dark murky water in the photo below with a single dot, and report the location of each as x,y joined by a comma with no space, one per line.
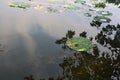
27,44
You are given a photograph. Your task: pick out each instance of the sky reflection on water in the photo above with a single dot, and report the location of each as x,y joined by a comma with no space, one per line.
28,37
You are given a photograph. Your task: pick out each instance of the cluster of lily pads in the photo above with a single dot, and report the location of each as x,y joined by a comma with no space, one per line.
65,5
101,17
39,6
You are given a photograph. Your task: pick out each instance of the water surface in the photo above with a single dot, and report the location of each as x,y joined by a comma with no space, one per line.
27,38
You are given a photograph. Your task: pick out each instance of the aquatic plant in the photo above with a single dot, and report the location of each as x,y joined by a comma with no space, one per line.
80,1
100,5
51,10
12,4
104,13
51,0
87,14
71,7
19,4
79,43
102,19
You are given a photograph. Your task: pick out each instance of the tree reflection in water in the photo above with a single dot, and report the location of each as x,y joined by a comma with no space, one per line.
116,2
96,23
104,37
93,64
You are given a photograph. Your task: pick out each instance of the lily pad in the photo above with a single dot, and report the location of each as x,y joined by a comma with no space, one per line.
87,15
79,44
71,7
104,13
12,4
80,1
102,19
51,10
19,4
51,0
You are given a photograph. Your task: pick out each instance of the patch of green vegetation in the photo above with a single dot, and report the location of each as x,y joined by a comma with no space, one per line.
52,10
80,1
19,4
79,43
71,7
102,19
104,13
100,5
87,15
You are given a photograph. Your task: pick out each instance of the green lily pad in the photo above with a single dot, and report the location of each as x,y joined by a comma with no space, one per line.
19,4
104,13
79,44
71,7
51,0
102,19
87,15
80,1
12,4
52,10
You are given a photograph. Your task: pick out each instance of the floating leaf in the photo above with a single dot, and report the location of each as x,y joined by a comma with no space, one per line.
51,0
87,15
104,13
102,19
71,7
12,4
80,1
19,4
52,10
79,44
